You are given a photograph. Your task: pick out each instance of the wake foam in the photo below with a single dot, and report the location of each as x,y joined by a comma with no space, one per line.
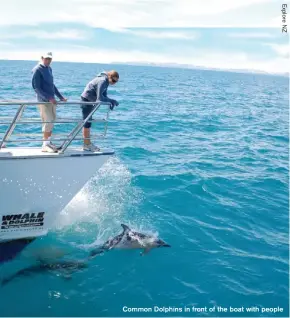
97,211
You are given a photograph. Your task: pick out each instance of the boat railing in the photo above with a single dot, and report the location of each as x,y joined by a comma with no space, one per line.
66,139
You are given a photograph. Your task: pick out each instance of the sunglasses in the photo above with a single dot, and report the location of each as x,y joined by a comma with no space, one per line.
114,80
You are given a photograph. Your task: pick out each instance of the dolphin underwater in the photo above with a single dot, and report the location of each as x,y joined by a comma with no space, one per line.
65,268
129,239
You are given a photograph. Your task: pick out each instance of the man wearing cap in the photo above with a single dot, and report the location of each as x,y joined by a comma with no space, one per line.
43,85
96,90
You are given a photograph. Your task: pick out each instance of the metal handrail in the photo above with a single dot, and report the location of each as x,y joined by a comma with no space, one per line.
9,103
56,139
37,121
66,141
37,135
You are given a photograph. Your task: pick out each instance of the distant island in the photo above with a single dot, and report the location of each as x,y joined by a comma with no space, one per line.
189,66
172,65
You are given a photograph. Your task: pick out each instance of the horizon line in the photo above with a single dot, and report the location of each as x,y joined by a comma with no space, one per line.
168,65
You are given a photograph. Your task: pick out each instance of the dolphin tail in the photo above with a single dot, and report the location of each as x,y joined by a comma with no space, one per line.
5,281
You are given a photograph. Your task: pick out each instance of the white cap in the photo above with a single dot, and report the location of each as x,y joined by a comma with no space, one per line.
47,55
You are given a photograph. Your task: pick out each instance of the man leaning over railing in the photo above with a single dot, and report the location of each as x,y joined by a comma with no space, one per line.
96,90
43,85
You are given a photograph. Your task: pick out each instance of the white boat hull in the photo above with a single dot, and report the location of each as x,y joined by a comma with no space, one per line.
35,187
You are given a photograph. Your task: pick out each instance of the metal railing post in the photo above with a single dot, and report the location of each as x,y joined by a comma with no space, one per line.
107,120
13,124
78,129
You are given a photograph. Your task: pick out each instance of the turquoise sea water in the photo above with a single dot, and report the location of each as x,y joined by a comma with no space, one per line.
202,160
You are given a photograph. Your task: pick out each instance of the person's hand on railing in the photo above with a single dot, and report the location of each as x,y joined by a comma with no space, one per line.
63,100
113,104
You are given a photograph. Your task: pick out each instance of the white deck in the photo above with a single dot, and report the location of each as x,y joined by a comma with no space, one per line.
35,152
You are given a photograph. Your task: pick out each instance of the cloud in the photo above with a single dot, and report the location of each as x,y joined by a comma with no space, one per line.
64,34
67,34
156,34
282,50
252,35
165,35
145,13
2,43
217,59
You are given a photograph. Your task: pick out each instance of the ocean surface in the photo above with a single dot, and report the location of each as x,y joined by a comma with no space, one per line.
202,161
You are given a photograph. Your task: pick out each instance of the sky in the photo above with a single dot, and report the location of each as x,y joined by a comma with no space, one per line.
222,34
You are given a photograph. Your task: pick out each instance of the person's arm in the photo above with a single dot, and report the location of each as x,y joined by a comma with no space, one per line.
36,84
57,93
101,93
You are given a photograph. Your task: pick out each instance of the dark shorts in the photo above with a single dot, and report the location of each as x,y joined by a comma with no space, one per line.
86,109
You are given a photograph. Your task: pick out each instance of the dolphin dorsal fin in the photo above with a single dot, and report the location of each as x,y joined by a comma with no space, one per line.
125,228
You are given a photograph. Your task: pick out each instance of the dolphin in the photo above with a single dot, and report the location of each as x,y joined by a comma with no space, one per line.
66,268
130,239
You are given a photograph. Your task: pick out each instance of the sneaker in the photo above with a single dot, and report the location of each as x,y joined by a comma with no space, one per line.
91,147
56,147
48,148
